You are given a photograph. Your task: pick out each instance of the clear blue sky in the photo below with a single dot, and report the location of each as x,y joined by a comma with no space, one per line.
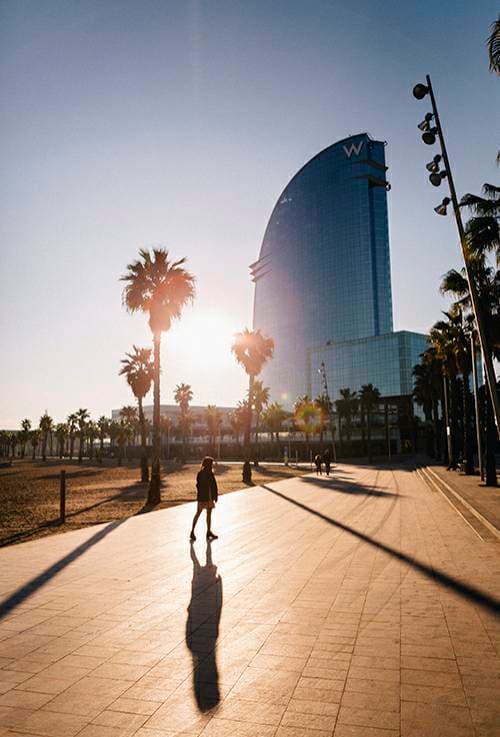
126,124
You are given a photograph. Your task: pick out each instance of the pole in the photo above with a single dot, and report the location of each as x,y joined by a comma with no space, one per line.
476,406
62,497
488,363
330,409
447,423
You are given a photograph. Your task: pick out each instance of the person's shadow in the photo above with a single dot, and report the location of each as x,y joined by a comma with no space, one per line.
202,629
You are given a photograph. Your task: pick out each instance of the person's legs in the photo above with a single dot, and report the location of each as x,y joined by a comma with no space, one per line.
209,521
195,520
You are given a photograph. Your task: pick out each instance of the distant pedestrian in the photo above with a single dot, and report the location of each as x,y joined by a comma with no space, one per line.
326,461
317,461
207,495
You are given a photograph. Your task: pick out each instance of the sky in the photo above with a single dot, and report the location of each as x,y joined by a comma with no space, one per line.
129,124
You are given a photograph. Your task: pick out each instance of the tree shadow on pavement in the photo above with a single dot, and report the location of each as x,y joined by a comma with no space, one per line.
202,629
468,592
344,487
29,588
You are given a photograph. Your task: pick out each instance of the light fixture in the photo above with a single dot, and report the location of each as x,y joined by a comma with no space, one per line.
433,165
437,177
442,208
420,90
426,122
429,137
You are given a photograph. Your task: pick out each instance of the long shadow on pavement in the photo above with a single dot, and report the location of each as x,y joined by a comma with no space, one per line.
469,592
29,588
345,487
202,629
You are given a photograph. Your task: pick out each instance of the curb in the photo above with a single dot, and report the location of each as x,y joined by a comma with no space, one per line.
435,479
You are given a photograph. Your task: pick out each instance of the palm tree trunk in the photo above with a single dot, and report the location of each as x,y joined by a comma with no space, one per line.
154,484
144,453
44,447
248,429
80,448
369,435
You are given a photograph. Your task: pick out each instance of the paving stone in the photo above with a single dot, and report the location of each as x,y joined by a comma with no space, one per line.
318,629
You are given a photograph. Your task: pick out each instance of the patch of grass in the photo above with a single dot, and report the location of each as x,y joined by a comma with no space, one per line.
29,493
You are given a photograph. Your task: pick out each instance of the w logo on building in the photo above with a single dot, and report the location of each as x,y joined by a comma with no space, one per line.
353,149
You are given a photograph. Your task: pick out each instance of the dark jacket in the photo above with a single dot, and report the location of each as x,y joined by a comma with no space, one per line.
206,485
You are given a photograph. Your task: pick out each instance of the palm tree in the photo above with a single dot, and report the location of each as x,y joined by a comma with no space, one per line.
128,419
252,350
61,432
166,427
82,417
113,430
324,405
442,338
213,421
307,416
92,434
46,424
347,408
274,417
125,431
183,395
35,437
259,400
72,422
103,425
138,370
427,392
494,46
25,434
160,288
487,282
369,398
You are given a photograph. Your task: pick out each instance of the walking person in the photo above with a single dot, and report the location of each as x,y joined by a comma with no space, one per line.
317,461
207,495
326,461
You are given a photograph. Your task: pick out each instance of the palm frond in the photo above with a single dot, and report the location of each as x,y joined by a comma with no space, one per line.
493,44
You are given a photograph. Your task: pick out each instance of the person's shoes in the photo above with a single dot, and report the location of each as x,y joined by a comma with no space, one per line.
192,537
212,536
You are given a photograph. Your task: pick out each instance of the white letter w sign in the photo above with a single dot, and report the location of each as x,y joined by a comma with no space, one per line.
353,149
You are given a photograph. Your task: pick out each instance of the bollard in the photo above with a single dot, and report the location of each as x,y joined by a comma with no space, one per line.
62,497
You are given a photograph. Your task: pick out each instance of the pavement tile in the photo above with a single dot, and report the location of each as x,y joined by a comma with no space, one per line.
240,710
134,706
350,730
292,718
228,728
369,717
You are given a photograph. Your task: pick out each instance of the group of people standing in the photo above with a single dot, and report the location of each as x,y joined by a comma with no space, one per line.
319,460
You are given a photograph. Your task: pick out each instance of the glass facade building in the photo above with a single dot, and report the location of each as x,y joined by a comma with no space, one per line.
323,280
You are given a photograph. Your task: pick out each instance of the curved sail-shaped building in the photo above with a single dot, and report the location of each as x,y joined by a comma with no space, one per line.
323,280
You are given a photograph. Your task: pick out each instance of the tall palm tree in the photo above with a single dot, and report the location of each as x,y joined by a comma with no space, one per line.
183,395
161,288
72,422
252,350
324,404
103,425
213,421
428,387
487,281
442,338
347,408
166,427
46,425
138,370
369,398
494,46
25,434
35,437
274,417
307,416
259,400
92,433
61,432
82,417
128,420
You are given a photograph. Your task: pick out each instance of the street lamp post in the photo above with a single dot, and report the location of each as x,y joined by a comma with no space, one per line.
436,177
322,371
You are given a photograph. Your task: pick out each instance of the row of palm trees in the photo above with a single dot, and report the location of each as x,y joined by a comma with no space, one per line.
460,414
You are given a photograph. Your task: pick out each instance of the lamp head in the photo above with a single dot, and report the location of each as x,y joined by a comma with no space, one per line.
420,90
433,165
429,137
426,123
442,208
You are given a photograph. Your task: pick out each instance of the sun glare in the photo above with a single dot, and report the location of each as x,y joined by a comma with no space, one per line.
205,338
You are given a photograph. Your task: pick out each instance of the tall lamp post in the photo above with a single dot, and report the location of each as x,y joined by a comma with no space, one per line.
436,176
322,371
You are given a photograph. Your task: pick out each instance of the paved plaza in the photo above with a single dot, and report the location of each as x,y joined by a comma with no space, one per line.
361,605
